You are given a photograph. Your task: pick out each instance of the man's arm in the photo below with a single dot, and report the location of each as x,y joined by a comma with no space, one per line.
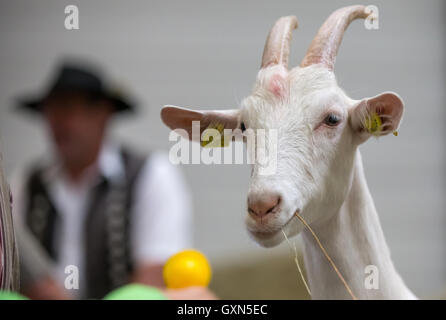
161,221
37,281
36,269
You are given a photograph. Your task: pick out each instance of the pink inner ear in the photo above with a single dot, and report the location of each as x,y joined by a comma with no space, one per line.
277,85
388,106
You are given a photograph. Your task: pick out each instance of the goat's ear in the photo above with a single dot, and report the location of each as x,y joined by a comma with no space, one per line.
182,118
377,116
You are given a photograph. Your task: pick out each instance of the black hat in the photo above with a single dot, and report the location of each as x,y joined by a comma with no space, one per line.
74,77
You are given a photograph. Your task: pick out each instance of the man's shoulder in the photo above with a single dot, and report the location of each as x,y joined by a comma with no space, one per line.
159,161
148,163
154,157
156,166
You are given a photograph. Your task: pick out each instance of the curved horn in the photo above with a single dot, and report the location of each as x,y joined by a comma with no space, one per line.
324,47
277,45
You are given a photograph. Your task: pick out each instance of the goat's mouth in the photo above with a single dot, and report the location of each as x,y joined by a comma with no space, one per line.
272,237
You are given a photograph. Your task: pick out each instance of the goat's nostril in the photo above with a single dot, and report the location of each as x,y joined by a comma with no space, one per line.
263,205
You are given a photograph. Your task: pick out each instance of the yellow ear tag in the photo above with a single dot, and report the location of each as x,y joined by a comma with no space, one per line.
208,139
373,124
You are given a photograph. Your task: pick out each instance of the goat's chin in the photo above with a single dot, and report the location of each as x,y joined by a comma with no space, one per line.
274,238
267,240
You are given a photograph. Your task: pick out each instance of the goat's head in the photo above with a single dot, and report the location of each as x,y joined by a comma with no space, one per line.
319,129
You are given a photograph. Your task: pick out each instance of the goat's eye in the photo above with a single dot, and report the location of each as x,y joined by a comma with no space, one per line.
242,126
332,120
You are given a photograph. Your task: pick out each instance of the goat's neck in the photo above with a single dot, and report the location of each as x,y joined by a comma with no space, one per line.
354,239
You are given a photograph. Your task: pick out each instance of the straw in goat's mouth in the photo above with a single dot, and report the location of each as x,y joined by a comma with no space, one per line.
333,265
293,247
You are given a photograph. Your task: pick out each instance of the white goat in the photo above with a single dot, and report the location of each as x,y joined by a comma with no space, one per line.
319,167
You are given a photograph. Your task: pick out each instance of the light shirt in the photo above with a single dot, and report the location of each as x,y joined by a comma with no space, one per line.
161,211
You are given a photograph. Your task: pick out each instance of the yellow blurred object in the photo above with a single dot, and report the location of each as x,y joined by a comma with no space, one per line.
185,269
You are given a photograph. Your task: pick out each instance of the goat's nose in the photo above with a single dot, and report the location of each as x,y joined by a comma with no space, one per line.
261,205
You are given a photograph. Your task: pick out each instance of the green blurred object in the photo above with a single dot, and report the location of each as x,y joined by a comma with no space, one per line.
135,292
11,295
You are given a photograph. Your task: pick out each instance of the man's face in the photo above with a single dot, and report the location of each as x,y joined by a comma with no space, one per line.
77,124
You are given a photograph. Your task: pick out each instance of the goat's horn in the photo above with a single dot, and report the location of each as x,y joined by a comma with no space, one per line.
277,45
324,47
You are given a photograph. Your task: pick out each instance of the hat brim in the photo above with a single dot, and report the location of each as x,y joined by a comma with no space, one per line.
121,105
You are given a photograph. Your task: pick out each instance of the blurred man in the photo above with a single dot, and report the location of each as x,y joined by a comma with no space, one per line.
112,214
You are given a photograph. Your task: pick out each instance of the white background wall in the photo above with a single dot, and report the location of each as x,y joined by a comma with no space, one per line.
206,54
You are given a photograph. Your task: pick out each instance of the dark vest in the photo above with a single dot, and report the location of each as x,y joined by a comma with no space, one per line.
108,254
